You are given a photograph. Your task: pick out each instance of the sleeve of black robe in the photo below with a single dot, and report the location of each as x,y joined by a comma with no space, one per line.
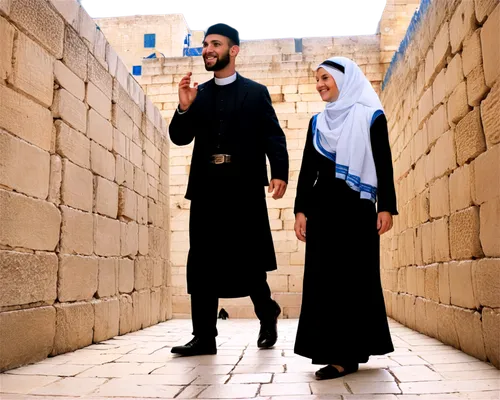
386,193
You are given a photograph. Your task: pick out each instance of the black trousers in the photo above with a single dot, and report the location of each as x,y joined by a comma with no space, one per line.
204,309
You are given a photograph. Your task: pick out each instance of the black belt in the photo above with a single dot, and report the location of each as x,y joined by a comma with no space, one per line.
220,158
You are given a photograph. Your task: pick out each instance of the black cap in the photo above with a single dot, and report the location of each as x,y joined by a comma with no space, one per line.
224,30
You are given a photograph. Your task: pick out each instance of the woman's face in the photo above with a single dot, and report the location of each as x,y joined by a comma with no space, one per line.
326,86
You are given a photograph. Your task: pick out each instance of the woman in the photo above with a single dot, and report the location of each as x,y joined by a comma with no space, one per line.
345,201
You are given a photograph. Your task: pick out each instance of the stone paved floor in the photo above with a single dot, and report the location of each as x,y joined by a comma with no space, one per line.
139,365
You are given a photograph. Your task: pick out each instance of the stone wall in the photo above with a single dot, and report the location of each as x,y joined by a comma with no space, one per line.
441,262
126,35
290,78
84,206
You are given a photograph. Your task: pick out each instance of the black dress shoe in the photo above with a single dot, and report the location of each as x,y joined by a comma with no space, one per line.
330,372
268,334
196,347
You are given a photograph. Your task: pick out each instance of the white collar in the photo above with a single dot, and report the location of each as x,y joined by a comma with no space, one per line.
225,81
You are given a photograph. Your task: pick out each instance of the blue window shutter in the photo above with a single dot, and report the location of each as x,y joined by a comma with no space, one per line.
298,45
137,70
150,40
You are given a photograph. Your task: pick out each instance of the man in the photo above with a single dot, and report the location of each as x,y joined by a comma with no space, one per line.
234,126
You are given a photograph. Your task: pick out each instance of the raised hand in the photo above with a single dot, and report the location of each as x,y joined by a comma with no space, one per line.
187,94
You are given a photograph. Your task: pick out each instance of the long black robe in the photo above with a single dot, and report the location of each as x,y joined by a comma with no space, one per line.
343,317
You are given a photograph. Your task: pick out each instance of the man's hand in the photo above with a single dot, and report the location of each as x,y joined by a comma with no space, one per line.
187,94
300,226
279,188
384,222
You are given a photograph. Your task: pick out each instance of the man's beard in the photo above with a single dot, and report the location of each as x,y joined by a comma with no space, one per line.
219,64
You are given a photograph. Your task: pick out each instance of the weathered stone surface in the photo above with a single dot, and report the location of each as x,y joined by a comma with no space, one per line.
55,180
77,232
127,203
69,80
476,87
26,336
490,43
462,23
484,8
129,233
126,275
31,176
491,334
468,326
25,118
106,236
108,277
75,55
7,35
77,278
33,70
458,106
471,55
102,161
100,77
99,101
70,109
143,273
469,137
486,276
464,234
446,330
126,314
490,109
74,327
27,222
77,186
41,22
107,319
27,278
461,285
68,9
72,144
106,197
489,231
487,176
444,283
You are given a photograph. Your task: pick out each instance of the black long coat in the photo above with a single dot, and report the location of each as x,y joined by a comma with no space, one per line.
230,238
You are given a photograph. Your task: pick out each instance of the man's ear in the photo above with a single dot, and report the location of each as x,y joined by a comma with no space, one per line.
234,50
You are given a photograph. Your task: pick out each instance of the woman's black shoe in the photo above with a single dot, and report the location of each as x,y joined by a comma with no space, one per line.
330,372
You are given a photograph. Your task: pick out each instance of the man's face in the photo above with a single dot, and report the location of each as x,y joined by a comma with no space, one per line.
215,52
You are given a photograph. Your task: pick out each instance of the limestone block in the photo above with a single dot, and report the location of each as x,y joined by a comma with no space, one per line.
454,74
25,118
106,236
77,278
461,284
102,161
144,309
429,67
441,47
127,203
444,283
437,124
106,197
30,176
143,273
40,22
120,143
142,210
464,234
411,280
486,279
98,101
86,28
55,180
69,80
487,176
126,275
461,181
490,43
420,318
27,278
489,231
471,55
427,243
140,182
432,282
439,88
99,50
108,277
446,161
491,334
7,33
33,70
124,172
476,86
68,10
72,144
462,24
439,198
440,238
446,325
468,326
107,319
26,336
469,138
143,239
484,8
129,233
70,109
136,158
458,106
490,109
74,327
425,105
126,314
75,55
410,312
77,186
27,222
155,305
432,318
100,130
77,232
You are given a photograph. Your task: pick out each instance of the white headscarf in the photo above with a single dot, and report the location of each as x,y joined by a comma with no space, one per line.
342,131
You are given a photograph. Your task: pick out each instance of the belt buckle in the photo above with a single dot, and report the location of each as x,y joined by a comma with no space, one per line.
218,158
